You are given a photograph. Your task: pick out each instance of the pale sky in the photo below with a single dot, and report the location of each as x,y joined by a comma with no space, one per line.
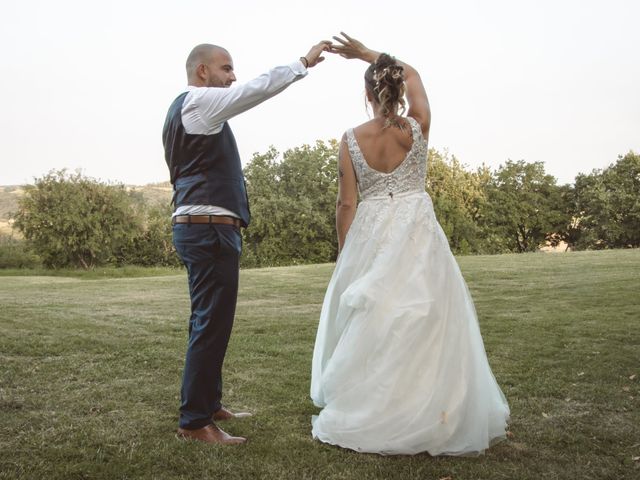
87,84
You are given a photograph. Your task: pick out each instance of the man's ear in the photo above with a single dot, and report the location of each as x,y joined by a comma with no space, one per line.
201,71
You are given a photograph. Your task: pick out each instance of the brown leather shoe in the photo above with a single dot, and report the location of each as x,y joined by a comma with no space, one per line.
210,434
224,414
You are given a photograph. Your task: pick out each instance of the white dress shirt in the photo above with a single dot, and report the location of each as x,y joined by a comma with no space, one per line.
205,109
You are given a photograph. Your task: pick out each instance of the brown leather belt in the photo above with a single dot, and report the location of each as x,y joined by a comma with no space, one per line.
209,219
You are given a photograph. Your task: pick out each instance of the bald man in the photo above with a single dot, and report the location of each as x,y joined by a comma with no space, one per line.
211,206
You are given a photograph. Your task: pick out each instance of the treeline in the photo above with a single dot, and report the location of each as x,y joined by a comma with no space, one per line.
69,220
516,208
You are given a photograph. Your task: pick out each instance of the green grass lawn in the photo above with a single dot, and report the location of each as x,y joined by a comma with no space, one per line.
90,373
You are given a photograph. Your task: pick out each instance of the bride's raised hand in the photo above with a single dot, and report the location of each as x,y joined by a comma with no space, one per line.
349,47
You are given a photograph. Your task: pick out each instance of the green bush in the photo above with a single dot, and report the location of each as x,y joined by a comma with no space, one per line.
76,221
16,254
153,244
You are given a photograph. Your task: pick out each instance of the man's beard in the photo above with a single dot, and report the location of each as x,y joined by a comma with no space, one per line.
218,84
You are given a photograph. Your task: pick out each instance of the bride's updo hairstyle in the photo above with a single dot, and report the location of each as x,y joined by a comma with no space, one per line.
384,81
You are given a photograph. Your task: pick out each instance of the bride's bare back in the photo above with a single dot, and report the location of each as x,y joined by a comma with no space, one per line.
384,149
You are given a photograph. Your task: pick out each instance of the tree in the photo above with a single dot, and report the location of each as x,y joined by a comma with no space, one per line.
292,206
524,207
572,231
608,205
72,220
458,197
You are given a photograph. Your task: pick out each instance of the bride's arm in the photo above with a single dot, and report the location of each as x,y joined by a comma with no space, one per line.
417,97
347,193
419,109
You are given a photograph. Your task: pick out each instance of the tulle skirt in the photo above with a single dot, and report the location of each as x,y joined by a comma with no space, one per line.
399,365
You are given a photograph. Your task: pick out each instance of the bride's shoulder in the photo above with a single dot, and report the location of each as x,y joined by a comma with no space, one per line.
358,131
364,129
366,125
416,127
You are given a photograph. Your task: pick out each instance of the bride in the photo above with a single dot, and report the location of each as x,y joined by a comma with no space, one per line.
399,365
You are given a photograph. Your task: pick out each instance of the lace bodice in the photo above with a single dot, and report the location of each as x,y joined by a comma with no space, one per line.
409,176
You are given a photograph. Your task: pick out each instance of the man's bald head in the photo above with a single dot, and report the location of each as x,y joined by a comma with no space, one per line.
210,66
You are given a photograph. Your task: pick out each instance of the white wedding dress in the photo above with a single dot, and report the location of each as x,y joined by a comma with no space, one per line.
399,365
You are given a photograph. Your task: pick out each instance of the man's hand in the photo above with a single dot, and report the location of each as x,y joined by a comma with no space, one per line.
351,48
314,56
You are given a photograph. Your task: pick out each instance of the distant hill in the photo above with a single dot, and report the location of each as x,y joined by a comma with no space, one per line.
154,193
9,196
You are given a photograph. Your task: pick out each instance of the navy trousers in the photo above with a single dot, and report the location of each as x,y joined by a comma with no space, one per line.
211,254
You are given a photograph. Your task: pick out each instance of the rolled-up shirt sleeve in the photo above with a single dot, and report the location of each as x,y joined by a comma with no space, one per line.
207,108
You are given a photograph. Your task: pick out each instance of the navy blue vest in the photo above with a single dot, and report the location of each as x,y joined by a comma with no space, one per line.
205,169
